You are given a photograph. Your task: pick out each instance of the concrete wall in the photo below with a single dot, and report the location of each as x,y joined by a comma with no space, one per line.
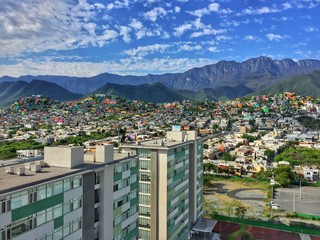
88,206
192,184
162,194
191,135
104,153
63,156
175,136
106,204
154,206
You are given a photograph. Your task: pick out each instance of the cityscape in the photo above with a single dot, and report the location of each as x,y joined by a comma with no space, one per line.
155,120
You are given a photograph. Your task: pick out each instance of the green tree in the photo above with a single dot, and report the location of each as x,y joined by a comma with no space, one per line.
246,236
269,154
284,175
228,157
240,211
248,137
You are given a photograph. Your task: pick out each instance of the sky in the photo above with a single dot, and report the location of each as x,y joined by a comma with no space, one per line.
139,37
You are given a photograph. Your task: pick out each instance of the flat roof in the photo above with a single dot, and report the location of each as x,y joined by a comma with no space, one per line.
160,143
13,182
204,225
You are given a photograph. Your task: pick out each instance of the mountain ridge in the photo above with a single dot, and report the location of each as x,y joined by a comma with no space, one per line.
254,73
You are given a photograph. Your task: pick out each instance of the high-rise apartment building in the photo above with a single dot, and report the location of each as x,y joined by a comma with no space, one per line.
70,195
170,185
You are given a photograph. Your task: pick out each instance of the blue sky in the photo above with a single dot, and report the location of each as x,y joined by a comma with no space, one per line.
88,37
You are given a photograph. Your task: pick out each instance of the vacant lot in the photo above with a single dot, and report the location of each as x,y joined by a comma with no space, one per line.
225,195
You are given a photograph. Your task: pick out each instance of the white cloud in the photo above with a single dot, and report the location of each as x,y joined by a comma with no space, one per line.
178,31
107,36
213,49
213,7
286,5
118,4
186,47
249,38
207,31
99,6
87,69
311,29
222,38
153,14
230,23
136,24
145,50
259,11
200,29
40,25
225,11
275,37
125,33
177,9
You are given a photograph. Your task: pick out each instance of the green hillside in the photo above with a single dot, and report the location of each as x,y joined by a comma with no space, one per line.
303,84
155,92
13,91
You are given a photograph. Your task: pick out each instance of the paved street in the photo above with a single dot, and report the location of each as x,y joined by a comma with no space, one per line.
289,200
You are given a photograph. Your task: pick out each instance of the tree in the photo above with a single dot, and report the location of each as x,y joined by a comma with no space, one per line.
284,175
248,137
228,157
240,211
246,236
269,154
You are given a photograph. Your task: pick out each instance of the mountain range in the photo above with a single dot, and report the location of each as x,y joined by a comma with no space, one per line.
254,73
221,81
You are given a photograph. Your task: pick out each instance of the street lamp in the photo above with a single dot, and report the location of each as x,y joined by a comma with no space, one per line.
300,190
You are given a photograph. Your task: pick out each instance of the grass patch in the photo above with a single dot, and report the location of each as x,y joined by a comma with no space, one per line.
248,181
235,235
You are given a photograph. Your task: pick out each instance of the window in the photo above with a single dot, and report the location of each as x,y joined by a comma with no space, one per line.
57,234
19,199
145,164
144,199
76,182
49,190
41,192
145,187
144,211
57,211
145,176
66,207
133,178
66,184
41,217
144,222
76,203
57,187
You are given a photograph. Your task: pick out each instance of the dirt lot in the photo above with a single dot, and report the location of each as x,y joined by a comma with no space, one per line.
226,194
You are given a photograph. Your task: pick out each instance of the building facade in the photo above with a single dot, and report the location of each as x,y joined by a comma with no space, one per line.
74,196
170,185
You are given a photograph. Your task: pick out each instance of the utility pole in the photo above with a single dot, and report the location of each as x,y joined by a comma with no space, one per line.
294,201
300,189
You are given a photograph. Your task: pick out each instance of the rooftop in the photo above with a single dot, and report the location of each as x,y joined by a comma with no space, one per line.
173,138
12,181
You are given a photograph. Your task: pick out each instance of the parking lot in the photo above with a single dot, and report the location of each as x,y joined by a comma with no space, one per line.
288,199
